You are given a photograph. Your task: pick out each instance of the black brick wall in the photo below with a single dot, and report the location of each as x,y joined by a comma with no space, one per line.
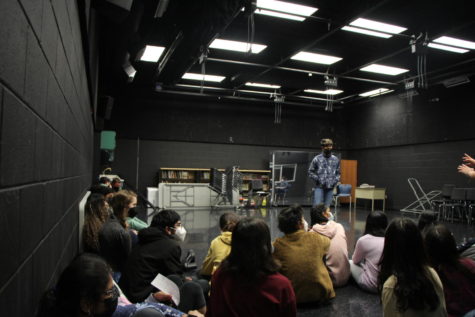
45,149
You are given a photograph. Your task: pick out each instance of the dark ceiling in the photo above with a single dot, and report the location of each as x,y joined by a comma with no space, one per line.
186,28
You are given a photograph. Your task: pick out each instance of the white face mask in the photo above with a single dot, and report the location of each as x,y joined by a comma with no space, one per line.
305,225
180,233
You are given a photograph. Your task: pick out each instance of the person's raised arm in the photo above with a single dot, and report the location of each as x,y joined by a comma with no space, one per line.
468,160
464,169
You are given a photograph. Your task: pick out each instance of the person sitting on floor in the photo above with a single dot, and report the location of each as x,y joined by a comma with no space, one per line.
408,285
456,273
301,255
96,212
247,282
221,245
427,219
158,251
337,258
85,288
364,264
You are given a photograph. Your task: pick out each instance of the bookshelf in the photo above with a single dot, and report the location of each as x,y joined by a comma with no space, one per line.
202,175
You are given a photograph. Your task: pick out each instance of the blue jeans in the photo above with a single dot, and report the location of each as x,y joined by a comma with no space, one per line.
323,195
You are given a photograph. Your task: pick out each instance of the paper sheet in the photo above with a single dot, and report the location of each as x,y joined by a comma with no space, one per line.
168,286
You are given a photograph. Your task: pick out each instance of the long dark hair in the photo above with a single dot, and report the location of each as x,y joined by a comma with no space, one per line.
442,251
86,278
251,250
404,256
120,204
376,223
317,214
95,214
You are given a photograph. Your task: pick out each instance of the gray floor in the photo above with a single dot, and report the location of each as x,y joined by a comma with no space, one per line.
202,227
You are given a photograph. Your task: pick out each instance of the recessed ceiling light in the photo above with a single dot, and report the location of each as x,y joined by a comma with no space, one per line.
280,15
378,26
382,69
316,58
376,92
286,10
447,48
194,76
237,46
455,42
199,87
367,32
152,53
324,92
263,85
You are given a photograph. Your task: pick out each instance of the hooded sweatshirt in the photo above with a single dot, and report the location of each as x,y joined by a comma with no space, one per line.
337,257
218,251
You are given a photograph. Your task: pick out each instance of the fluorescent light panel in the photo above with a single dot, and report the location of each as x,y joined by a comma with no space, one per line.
194,76
198,87
237,46
367,32
288,9
455,42
263,85
255,92
316,58
152,53
382,69
376,92
447,48
280,15
378,26
324,92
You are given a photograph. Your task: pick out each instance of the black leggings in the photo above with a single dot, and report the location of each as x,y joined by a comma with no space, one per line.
191,293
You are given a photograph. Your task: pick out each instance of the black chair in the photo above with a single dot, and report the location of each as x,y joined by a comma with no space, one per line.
438,204
470,197
458,202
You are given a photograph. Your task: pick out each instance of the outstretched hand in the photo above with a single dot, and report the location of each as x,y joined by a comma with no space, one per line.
464,169
468,160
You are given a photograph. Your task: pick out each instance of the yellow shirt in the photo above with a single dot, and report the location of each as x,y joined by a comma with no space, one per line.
217,252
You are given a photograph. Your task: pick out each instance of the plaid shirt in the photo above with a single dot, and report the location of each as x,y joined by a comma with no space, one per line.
325,171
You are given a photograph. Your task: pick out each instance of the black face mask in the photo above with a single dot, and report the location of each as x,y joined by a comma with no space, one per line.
132,212
327,152
110,304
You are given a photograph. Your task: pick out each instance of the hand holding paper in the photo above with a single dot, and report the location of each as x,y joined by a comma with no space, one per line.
167,286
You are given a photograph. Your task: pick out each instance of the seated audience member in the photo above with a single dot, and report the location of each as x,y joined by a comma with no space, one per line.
221,245
85,288
337,258
467,249
364,264
105,181
158,251
96,212
301,255
457,274
247,282
114,237
133,222
408,285
427,219
107,192
116,184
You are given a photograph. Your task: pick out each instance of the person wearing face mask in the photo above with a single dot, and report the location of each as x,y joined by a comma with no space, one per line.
324,170
301,255
158,251
86,288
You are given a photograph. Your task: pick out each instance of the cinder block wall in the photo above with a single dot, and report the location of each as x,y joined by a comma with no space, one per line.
46,143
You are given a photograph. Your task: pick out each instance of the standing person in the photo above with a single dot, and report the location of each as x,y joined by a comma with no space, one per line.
364,264
408,285
247,282
456,273
325,171
301,255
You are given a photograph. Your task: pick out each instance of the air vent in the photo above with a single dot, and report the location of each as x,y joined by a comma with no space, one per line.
455,81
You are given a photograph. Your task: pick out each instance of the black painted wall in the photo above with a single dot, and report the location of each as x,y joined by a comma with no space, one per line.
203,133
46,146
394,139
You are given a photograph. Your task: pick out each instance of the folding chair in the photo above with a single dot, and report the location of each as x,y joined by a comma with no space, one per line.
423,200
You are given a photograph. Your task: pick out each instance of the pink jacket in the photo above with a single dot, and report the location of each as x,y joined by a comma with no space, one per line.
337,257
